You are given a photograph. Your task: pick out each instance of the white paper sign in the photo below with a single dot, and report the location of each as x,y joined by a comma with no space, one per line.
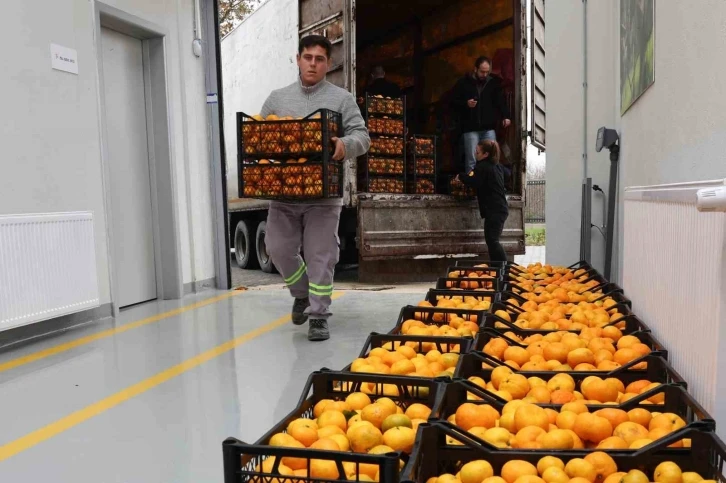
63,58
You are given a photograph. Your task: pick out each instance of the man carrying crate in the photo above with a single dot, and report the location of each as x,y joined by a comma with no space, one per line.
312,225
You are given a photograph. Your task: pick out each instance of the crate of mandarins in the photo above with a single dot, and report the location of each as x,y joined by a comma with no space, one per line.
573,293
496,270
505,316
289,159
481,283
651,369
358,427
459,190
438,321
444,455
532,312
460,299
512,418
410,355
569,351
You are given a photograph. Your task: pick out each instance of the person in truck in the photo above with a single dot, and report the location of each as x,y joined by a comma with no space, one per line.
478,100
489,179
380,86
312,225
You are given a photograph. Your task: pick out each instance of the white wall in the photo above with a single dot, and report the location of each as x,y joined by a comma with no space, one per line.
51,148
257,57
675,132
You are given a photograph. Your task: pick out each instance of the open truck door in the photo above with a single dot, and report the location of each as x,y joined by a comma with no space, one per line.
537,69
335,20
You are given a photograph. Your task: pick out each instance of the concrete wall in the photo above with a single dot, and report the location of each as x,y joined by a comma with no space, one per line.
50,136
257,57
675,132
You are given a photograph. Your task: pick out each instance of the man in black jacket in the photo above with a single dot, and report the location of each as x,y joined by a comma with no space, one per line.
380,86
478,100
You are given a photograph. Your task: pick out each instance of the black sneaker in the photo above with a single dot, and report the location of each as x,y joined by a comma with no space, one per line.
298,311
318,330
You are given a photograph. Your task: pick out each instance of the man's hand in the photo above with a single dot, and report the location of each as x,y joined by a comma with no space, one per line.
339,153
472,103
506,123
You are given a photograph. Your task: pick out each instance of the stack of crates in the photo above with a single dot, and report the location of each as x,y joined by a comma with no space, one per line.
289,159
383,168
422,165
499,367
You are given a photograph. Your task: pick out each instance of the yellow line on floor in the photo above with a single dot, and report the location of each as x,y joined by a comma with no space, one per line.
53,429
35,356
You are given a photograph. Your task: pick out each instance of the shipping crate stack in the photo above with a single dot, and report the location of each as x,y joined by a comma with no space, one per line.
383,168
289,159
422,165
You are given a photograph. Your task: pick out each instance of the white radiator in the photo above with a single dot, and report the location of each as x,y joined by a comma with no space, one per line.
47,267
674,271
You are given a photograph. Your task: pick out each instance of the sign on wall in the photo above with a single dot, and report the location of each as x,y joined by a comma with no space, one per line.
64,59
637,50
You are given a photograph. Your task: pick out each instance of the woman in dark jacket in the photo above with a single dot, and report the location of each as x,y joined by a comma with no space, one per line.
489,180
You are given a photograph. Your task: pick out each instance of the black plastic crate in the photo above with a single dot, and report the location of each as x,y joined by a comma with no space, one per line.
459,190
421,186
627,322
658,369
382,166
602,286
392,147
421,344
423,145
241,459
486,335
383,184
283,139
432,457
294,181
462,270
435,316
616,294
385,106
383,125
512,302
469,284
434,295
676,400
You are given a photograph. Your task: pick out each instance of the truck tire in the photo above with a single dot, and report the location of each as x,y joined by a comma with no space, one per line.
244,245
263,258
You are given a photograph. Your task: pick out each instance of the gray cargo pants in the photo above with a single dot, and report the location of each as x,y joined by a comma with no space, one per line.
315,229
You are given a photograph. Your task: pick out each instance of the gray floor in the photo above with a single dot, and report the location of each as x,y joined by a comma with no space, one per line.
173,431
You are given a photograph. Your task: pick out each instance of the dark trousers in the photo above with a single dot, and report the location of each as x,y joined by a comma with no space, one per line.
493,229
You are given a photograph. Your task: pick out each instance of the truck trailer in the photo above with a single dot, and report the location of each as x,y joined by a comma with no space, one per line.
425,47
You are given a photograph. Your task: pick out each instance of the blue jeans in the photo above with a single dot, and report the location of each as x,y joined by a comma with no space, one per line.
469,141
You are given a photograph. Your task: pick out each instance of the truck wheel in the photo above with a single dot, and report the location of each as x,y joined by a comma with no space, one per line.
263,258
244,245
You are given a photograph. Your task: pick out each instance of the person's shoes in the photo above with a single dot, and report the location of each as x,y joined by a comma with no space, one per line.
298,311
318,330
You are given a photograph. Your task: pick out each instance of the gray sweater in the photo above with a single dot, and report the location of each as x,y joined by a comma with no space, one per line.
297,100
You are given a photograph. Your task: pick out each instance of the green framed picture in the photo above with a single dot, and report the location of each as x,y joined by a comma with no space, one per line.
637,50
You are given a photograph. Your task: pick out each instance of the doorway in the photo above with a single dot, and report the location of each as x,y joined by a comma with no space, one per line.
128,163
138,175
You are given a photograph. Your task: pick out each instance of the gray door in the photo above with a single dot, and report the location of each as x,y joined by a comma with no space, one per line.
128,159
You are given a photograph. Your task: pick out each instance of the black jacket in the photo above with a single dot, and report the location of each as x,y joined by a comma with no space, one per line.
491,106
489,180
383,87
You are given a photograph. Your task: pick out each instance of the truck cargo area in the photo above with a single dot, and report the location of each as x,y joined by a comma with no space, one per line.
425,48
